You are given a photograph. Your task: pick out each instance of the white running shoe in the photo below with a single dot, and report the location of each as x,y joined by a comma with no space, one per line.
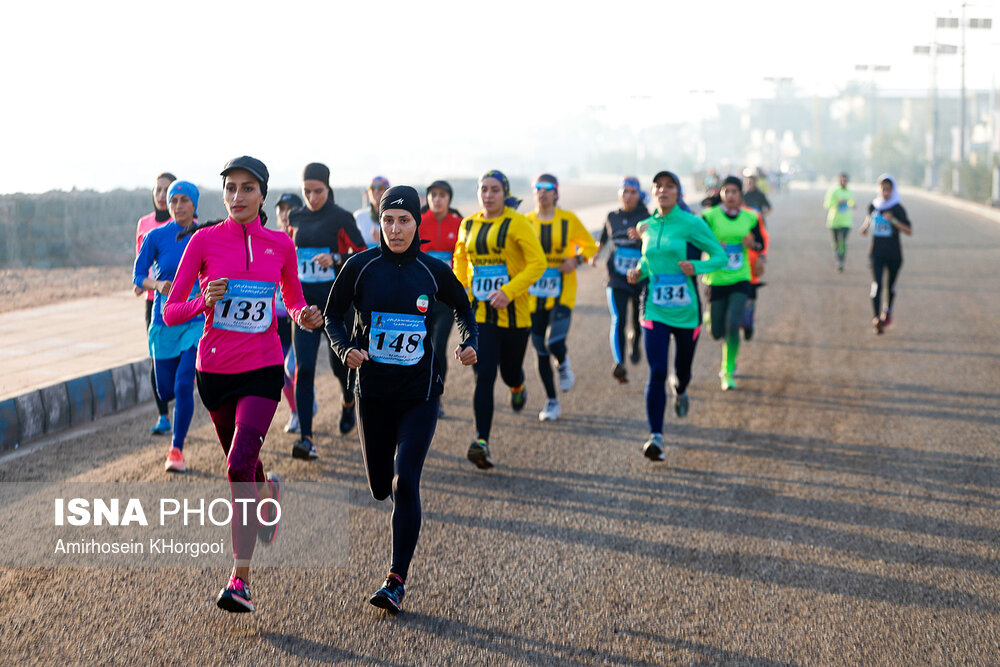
293,424
551,412
566,377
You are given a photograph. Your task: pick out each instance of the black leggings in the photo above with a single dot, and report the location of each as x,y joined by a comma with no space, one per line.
395,437
840,242
556,322
306,347
503,348
879,287
618,300
161,405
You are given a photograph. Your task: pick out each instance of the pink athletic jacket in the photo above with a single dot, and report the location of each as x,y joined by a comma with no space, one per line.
146,224
253,259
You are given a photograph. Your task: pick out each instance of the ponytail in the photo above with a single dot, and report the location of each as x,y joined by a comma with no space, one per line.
263,216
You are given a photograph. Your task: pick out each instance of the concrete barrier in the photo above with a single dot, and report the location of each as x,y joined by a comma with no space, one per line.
81,401
123,380
8,425
30,416
102,388
55,400
143,387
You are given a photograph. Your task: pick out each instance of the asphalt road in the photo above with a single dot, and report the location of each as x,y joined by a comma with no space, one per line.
841,507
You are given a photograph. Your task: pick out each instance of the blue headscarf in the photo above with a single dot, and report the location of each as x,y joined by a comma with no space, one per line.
184,188
633,182
885,204
508,200
680,189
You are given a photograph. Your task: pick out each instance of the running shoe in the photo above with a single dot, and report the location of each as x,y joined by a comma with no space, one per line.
840,267
440,412
636,354
551,412
728,382
347,419
235,597
747,332
161,427
390,596
267,534
518,397
681,403
479,454
652,449
877,325
303,449
566,377
293,423
620,373
886,319
175,461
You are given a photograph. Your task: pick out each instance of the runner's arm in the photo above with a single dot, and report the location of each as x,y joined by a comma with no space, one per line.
178,309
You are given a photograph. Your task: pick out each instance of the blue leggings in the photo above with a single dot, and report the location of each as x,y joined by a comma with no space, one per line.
395,436
175,382
618,300
657,352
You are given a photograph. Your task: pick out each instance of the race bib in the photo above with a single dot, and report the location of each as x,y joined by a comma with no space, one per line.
670,290
842,207
488,279
881,227
396,339
627,259
441,255
549,285
309,270
735,253
247,307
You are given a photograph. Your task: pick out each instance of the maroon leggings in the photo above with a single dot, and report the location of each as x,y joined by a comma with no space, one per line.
241,425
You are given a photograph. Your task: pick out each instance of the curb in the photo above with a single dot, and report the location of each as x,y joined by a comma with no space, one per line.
78,401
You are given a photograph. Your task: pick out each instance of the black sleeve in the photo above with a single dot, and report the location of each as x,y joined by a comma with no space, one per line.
871,208
337,305
452,294
604,232
900,214
758,238
766,202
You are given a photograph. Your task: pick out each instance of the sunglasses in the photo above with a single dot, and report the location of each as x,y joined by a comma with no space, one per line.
545,186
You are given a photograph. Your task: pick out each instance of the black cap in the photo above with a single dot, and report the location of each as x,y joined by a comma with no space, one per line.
317,171
252,165
290,199
444,185
401,196
673,177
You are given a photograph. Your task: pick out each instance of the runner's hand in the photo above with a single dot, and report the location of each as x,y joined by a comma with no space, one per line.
215,290
568,266
163,287
355,358
324,259
310,318
632,276
749,241
138,291
499,300
466,355
687,268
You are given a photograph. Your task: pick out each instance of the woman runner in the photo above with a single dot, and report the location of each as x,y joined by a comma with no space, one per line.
566,244
238,263
497,258
173,349
393,289
670,304
886,219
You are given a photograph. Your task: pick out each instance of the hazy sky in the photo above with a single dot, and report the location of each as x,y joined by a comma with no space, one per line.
107,94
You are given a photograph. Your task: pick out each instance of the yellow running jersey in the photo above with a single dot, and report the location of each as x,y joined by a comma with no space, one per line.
499,253
561,237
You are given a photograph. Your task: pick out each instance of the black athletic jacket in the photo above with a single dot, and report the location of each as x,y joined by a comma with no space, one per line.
408,284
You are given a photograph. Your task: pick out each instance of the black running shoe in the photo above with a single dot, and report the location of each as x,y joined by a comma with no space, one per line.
267,534
479,454
347,419
235,597
303,449
390,596
652,449
747,332
518,398
620,373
